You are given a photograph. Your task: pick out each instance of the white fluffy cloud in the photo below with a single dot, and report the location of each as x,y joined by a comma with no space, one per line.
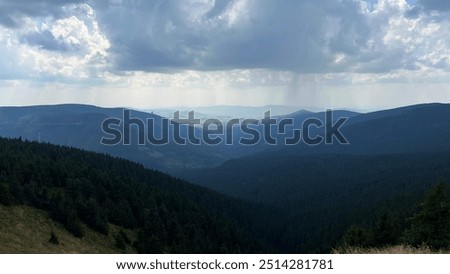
71,47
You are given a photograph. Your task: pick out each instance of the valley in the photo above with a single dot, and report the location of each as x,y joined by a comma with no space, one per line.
292,198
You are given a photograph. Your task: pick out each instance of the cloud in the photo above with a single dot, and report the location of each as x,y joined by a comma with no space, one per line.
12,12
437,5
67,47
301,36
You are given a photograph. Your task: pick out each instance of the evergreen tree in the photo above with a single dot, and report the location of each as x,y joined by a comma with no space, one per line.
93,216
53,239
385,231
121,240
5,195
431,225
73,225
357,236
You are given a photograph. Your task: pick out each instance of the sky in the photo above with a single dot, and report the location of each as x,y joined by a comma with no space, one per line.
353,54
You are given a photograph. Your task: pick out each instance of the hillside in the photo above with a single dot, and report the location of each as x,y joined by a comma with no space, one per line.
324,194
392,157
78,189
398,249
80,126
24,229
411,129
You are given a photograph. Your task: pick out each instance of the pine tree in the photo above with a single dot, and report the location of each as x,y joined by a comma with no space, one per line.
357,236
73,225
120,241
53,239
93,216
385,231
431,225
5,194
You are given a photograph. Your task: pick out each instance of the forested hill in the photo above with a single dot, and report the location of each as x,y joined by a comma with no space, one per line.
325,194
80,126
167,214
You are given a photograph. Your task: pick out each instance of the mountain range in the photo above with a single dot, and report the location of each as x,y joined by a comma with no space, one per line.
314,192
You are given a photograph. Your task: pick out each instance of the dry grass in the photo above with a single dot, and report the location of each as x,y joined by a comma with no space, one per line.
397,249
27,230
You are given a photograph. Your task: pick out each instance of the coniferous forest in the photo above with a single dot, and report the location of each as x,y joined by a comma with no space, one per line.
76,187
429,226
170,215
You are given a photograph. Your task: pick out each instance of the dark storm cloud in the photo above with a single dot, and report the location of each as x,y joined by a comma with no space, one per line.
140,37
285,35
299,36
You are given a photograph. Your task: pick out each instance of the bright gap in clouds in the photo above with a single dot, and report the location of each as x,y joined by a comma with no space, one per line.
147,54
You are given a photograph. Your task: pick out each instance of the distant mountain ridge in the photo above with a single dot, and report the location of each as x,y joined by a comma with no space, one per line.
81,126
407,129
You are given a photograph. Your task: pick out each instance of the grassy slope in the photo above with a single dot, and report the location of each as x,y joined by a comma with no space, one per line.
27,230
398,249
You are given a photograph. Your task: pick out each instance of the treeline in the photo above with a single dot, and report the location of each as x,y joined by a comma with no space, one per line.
75,187
429,226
